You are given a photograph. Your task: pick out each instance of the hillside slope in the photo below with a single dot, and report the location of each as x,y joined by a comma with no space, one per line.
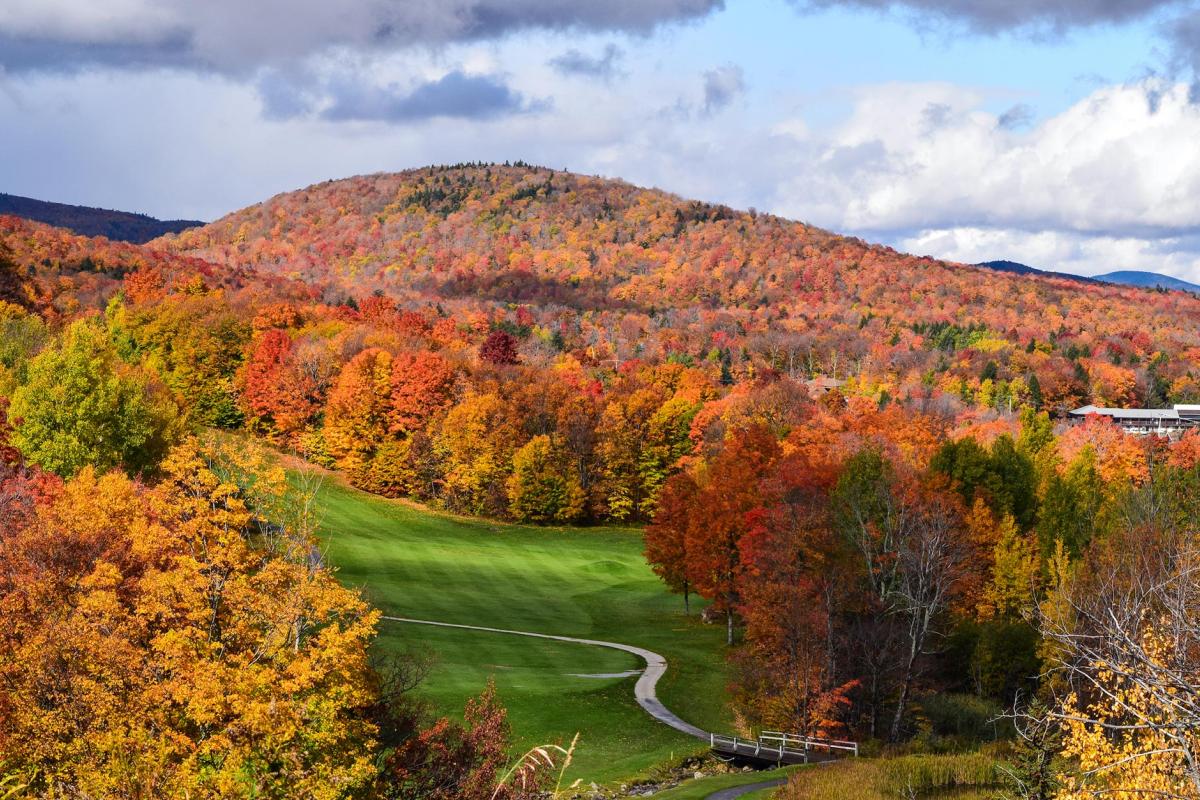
87,221
515,234
62,274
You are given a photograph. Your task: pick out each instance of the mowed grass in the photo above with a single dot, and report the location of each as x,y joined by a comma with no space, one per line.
590,582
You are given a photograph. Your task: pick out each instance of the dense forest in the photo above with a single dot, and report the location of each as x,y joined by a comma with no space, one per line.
86,221
860,459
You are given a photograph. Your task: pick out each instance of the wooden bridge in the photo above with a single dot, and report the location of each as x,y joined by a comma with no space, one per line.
774,747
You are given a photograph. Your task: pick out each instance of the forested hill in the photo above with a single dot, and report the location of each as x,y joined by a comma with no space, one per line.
689,271
86,221
524,234
604,273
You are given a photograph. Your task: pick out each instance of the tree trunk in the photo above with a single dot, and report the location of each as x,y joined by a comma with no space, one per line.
874,725
904,689
687,604
729,627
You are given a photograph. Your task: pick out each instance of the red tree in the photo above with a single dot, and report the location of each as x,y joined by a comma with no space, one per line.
499,348
448,761
422,384
275,389
790,588
666,537
718,520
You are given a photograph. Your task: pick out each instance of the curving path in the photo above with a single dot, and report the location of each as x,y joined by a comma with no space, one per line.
734,792
643,690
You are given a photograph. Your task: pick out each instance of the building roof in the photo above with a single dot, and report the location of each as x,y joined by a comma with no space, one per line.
1129,413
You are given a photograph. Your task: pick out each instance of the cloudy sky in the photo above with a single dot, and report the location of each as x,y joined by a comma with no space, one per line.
1061,133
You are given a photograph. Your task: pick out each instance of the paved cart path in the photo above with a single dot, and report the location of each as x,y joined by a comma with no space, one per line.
643,690
734,792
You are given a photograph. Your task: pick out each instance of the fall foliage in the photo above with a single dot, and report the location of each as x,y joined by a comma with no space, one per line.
151,649
858,459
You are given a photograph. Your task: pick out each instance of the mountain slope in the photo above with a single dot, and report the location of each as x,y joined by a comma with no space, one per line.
1150,280
516,234
1017,268
62,273
86,221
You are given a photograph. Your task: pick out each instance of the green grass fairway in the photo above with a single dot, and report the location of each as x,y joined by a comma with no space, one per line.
590,583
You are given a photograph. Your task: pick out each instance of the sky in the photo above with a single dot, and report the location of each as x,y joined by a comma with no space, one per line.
1064,134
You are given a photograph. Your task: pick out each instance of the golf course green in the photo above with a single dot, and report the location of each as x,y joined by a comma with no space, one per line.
583,582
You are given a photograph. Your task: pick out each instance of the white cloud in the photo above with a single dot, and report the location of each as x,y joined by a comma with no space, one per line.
1111,182
1121,162
234,36
1060,251
722,86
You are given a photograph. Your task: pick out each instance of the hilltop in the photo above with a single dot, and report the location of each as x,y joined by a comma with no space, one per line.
120,226
528,234
482,237
608,272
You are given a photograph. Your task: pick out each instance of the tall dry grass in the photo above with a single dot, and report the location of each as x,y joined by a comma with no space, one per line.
963,777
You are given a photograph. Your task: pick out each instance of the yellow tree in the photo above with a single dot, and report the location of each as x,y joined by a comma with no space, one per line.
1137,736
543,488
1015,568
356,414
151,650
475,443
1126,636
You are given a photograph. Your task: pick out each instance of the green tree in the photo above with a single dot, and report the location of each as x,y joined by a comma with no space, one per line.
1035,392
1071,506
82,405
21,335
1013,482
1004,476
542,488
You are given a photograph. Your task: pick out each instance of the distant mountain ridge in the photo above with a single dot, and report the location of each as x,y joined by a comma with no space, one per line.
1152,280
1017,268
1130,277
121,226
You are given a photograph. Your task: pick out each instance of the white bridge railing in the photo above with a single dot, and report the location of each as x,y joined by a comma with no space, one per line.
759,748
792,741
781,746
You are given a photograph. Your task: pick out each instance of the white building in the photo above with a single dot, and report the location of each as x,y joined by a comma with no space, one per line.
1146,421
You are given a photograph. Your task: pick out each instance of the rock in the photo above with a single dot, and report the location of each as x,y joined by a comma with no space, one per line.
698,775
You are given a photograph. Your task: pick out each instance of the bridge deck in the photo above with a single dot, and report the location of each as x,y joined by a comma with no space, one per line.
782,749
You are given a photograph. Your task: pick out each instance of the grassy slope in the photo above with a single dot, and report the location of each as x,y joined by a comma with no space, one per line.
592,583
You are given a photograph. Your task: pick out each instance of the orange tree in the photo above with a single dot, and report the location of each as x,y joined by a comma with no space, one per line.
165,642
